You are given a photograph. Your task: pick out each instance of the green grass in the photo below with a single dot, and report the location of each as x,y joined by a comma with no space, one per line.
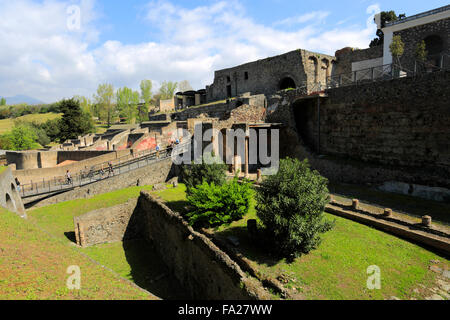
6,125
132,260
34,266
58,219
337,269
3,168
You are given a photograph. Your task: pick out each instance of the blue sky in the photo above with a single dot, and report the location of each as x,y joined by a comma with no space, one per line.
123,42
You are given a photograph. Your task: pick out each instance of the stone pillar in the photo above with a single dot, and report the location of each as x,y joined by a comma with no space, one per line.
426,221
387,213
247,139
355,204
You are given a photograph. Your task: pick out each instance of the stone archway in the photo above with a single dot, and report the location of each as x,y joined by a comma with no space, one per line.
287,83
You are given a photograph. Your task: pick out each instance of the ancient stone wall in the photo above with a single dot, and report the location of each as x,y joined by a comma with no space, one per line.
26,176
397,130
412,36
154,173
270,75
9,193
108,225
347,56
204,270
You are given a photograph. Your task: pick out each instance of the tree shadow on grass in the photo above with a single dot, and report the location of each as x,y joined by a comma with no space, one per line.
254,249
148,270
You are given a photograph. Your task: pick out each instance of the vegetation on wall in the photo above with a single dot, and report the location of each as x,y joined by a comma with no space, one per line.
386,16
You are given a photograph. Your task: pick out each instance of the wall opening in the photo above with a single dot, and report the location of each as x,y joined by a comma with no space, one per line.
306,120
246,75
434,45
229,91
315,65
9,203
287,83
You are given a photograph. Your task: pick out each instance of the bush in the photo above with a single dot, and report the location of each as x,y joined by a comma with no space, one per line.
215,205
211,170
290,205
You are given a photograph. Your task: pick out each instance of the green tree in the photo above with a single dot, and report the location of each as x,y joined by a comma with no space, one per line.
74,122
146,97
211,170
290,206
85,104
168,89
23,137
104,99
397,48
2,102
386,16
421,51
214,205
185,86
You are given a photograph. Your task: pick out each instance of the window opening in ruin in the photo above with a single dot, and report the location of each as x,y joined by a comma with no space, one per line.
434,45
228,79
229,91
246,76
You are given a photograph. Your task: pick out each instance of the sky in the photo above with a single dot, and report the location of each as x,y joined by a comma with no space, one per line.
50,49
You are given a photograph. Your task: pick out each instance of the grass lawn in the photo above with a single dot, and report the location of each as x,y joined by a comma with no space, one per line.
133,260
7,124
338,268
34,266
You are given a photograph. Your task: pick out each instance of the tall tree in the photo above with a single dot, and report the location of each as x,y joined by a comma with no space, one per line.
2,102
85,104
146,97
397,48
74,121
104,99
185,86
168,89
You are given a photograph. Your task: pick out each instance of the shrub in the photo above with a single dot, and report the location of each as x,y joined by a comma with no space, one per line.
214,205
290,206
211,170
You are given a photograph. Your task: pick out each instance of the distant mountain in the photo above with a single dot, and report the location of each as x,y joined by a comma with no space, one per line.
22,99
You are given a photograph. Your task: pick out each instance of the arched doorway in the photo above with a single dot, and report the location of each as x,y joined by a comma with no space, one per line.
287,83
305,117
434,46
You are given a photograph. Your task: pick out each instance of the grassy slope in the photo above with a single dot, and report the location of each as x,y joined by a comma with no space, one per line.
131,260
337,269
34,266
7,124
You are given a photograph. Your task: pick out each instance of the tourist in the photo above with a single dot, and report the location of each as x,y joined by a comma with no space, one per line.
68,177
157,151
110,169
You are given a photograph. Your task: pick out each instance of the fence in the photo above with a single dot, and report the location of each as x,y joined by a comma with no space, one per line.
100,172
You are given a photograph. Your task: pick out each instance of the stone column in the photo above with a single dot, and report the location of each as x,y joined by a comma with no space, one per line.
247,139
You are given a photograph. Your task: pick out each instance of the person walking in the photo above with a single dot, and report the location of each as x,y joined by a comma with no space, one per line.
110,169
68,177
157,151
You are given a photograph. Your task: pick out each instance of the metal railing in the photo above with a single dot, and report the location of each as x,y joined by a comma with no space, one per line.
418,16
101,171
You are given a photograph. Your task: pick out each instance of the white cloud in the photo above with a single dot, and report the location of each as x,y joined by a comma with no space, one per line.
40,57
